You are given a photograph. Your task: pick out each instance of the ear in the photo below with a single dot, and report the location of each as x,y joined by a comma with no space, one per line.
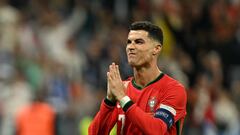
157,49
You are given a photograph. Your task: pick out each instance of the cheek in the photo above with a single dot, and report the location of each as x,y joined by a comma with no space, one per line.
146,56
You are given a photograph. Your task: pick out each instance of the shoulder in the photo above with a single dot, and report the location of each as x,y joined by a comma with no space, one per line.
174,96
173,87
171,82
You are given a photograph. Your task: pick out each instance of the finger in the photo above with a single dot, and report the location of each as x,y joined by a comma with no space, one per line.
118,72
110,67
115,70
113,66
108,76
112,70
108,81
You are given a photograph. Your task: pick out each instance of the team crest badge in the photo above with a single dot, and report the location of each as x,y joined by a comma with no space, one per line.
152,103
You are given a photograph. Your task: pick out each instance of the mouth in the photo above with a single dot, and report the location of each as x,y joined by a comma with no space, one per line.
131,54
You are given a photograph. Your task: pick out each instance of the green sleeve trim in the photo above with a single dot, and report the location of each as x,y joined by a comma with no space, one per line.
178,127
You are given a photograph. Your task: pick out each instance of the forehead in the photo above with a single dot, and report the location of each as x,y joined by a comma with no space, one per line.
136,34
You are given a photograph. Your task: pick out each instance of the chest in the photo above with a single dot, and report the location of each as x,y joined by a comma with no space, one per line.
148,99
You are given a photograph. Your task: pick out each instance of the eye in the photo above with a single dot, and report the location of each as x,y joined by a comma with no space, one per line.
139,41
129,41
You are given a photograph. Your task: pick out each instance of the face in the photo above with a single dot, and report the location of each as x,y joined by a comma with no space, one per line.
140,48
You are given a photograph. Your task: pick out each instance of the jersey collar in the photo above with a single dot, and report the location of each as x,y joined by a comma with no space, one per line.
153,81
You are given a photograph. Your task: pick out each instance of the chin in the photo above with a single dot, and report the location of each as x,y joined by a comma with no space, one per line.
133,64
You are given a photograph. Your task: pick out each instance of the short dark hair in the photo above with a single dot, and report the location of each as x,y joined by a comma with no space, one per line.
154,31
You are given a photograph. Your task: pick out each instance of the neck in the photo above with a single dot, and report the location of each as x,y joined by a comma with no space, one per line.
144,75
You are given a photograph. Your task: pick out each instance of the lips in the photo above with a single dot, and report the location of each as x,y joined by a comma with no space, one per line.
130,54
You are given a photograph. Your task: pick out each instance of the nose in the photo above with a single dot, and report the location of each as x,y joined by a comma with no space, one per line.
131,46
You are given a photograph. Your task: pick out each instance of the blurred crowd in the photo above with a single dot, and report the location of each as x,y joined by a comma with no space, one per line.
54,55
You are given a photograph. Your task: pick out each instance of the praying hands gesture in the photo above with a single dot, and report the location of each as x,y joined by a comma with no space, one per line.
116,88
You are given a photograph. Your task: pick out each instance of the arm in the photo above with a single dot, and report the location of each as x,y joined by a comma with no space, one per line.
105,119
145,121
75,21
135,114
171,109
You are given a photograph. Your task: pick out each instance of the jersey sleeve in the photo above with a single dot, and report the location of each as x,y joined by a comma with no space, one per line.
147,123
175,101
170,110
104,120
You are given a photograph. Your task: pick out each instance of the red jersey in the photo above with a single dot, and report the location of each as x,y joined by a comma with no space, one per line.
158,109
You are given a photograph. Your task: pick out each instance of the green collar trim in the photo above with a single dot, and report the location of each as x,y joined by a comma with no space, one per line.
153,81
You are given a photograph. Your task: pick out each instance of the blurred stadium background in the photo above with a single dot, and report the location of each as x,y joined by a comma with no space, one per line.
58,52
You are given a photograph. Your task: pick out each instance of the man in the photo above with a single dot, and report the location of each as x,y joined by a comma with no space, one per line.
38,118
149,103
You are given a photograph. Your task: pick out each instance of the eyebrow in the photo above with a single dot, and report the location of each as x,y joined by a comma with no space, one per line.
136,40
139,40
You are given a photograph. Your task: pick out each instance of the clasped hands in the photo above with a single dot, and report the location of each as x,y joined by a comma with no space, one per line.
116,88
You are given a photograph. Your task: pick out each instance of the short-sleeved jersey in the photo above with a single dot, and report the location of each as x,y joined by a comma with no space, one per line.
150,113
